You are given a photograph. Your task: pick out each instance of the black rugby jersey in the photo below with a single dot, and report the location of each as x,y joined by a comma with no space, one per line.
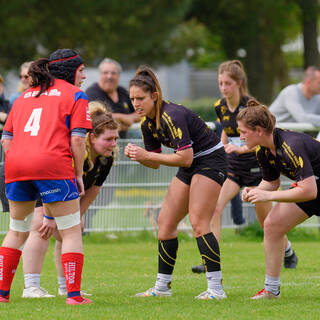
297,156
180,128
99,172
239,162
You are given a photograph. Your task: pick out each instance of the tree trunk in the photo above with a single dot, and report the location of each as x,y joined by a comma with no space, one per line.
309,10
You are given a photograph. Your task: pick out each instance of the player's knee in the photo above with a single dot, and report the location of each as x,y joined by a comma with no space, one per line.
68,221
21,225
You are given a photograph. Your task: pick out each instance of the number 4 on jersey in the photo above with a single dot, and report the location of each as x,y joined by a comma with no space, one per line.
33,124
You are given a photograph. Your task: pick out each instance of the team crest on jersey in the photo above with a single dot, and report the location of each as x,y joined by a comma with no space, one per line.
126,105
223,109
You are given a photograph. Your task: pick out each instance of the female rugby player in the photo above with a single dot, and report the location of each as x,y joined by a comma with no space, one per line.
201,159
243,169
296,156
45,121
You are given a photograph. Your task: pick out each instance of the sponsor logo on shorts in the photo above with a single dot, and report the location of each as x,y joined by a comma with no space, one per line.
45,193
73,195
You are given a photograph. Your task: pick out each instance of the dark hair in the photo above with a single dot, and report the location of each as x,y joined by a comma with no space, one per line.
235,70
40,75
257,114
64,63
145,79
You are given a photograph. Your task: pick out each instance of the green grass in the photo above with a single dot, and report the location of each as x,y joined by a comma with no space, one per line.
116,269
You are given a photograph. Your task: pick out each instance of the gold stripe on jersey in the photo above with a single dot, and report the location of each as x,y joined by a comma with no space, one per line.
173,130
290,154
217,103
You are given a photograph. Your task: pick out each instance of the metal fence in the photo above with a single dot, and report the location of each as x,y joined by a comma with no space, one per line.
131,196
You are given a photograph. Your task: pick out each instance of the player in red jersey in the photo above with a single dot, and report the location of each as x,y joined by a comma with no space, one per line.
44,143
101,142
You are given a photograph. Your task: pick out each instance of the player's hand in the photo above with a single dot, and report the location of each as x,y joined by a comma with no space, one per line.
244,194
80,186
229,147
258,195
47,228
137,153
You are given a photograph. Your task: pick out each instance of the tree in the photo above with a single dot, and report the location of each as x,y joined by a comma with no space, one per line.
130,31
310,11
258,28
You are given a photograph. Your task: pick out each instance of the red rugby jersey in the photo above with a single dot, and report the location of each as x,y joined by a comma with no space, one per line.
41,128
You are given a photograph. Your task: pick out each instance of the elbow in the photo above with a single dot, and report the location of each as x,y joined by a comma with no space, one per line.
313,194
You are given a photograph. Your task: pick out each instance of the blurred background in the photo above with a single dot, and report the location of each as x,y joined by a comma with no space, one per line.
183,40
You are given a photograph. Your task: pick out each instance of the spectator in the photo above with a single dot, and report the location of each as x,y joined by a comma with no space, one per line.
300,102
4,106
107,90
24,83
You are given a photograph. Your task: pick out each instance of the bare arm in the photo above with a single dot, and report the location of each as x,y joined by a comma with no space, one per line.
183,158
125,118
78,151
3,116
88,198
304,191
6,144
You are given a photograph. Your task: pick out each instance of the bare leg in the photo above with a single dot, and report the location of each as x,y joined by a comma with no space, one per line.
35,247
228,191
282,218
19,210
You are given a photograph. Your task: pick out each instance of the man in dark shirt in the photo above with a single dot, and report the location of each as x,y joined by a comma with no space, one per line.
4,106
116,97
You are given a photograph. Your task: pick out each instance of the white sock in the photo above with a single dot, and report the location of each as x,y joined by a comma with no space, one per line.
163,281
272,284
31,280
62,282
214,279
289,250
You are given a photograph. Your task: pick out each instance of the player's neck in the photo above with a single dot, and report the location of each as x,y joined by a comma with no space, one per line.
233,102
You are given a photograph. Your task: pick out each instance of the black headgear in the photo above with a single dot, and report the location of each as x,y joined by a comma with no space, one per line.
63,64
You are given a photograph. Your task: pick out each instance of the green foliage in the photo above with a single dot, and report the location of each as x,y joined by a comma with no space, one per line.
130,31
203,107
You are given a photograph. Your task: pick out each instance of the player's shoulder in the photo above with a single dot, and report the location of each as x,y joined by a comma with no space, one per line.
220,103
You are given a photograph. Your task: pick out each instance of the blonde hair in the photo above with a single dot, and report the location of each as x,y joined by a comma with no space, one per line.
145,79
257,114
101,119
235,70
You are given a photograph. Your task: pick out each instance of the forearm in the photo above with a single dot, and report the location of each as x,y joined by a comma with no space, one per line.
5,144
78,151
177,159
3,116
88,198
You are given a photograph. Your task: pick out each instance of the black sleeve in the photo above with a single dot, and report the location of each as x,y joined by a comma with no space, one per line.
268,168
105,169
296,156
150,142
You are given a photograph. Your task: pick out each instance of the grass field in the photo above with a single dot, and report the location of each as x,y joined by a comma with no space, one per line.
115,270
